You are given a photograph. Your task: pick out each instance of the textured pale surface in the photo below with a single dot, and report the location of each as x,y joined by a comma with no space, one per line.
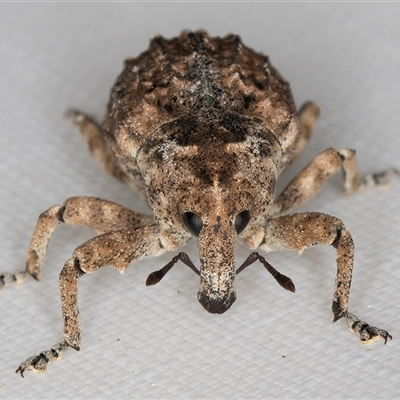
158,342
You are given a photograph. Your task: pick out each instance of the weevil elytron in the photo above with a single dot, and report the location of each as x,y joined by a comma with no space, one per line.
203,127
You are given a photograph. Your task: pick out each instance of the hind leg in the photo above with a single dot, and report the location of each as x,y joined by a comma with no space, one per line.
308,114
93,134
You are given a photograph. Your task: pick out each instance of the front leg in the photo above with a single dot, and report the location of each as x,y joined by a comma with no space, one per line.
117,249
301,231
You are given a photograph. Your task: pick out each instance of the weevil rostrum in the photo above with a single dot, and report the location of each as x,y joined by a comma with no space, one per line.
202,126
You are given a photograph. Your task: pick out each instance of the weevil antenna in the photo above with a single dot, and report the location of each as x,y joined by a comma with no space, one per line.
283,280
156,276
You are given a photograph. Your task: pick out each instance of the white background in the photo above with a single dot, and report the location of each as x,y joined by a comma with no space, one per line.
159,342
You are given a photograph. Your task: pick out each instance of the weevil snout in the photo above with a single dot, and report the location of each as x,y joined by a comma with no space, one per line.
216,241
217,270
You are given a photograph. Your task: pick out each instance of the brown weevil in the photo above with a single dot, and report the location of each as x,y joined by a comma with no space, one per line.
203,127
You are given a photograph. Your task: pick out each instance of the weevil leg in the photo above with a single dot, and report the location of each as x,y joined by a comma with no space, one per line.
309,181
101,215
117,249
93,134
308,114
301,231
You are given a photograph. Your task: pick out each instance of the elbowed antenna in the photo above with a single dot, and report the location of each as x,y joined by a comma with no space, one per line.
156,276
283,280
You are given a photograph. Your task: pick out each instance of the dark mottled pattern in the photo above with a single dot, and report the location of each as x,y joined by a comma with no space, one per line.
198,90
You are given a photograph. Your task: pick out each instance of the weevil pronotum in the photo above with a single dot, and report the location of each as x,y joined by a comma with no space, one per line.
203,127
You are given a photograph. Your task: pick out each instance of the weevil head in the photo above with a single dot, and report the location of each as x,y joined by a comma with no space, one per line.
216,184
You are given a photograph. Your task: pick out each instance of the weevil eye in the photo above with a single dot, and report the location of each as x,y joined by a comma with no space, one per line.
241,221
193,222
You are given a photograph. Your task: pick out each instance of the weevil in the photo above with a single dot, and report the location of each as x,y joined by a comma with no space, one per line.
203,127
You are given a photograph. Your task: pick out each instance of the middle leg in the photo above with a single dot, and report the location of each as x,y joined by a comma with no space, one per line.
98,214
309,181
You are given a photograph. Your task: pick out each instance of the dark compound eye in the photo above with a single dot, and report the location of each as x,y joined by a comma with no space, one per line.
193,222
241,221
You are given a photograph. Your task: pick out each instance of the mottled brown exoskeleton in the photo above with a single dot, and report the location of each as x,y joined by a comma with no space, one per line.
203,127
